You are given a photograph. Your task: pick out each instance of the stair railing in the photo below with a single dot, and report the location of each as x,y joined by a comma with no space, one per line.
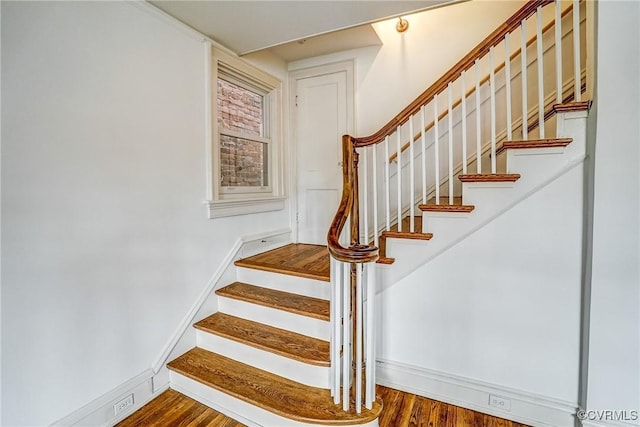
352,272
352,277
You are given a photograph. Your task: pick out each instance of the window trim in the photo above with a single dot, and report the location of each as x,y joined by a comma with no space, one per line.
243,200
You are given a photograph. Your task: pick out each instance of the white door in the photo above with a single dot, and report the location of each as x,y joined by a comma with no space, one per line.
323,113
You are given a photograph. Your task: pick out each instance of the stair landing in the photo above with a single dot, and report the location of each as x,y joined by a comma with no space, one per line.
295,259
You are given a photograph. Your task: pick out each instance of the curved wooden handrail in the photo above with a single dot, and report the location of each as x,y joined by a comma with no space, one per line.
484,80
464,64
355,253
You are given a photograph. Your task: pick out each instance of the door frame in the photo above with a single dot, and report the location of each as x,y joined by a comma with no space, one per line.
348,67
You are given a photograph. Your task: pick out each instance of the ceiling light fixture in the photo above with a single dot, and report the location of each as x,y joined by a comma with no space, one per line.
402,25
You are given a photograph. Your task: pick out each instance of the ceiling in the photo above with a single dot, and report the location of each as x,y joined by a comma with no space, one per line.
249,26
336,41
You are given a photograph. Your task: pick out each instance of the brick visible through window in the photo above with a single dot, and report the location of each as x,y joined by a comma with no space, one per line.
243,160
239,109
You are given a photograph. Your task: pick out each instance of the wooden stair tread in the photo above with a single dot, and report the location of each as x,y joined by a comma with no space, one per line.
271,392
534,143
295,259
572,106
279,341
293,303
407,235
393,232
444,206
490,177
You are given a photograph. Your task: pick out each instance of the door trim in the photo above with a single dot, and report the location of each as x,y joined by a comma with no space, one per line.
343,66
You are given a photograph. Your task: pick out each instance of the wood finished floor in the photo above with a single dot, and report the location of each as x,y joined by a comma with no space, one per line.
175,409
297,259
400,410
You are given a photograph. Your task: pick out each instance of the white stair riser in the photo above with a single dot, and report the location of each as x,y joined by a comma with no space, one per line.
526,161
304,325
440,223
488,193
285,282
237,409
311,375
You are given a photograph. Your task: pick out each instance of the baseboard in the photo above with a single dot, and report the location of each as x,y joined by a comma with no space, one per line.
150,383
100,411
527,408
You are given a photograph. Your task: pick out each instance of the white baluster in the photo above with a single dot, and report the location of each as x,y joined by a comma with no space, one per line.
365,196
346,336
507,74
450,154
386,176
464,121
523,56
359,307
332,341
412,184
577,72
375,195
336,285
539,42
399,176
370,364
492,93
436,147
558,41
424,156
476,66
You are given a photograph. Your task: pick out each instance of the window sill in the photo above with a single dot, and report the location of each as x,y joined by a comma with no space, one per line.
223,208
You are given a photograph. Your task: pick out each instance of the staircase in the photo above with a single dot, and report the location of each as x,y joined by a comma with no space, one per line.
293,343
263,359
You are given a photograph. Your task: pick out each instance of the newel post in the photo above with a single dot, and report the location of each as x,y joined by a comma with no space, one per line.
352,278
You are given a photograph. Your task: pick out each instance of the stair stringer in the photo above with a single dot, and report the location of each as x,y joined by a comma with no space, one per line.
538,167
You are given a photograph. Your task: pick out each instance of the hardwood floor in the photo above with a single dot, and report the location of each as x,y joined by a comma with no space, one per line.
400,410
175,409
405,409
298,259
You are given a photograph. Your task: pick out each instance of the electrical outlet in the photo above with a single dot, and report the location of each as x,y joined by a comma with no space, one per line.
500,402
123,404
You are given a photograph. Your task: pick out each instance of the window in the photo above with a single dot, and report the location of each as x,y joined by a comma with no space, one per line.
246,141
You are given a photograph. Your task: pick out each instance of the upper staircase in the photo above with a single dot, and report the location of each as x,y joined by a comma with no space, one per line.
500,125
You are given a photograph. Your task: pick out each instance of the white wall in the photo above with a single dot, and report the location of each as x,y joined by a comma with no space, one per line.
502,306
390,76
105,241
614,338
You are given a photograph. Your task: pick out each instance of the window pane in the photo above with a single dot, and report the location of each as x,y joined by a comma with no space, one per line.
244,162
240,109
